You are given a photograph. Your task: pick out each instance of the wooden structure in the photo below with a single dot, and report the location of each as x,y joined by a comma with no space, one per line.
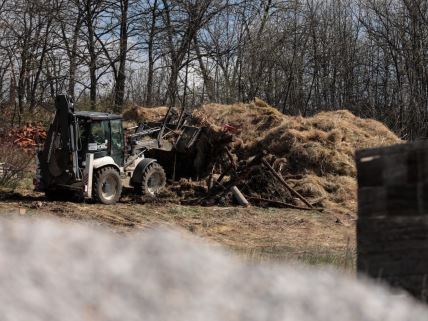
392,227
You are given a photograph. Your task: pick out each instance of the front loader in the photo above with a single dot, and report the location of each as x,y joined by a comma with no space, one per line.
86,155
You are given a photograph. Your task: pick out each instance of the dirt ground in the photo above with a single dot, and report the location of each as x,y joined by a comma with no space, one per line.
257,234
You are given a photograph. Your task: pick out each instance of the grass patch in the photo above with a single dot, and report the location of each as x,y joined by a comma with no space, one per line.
15,167
344,259
183,210
26,182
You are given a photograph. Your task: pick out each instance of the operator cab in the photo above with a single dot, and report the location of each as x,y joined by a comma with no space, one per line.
100,134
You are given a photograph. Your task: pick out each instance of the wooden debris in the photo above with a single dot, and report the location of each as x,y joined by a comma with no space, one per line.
283,182
239,196
232,161
282,204
26,137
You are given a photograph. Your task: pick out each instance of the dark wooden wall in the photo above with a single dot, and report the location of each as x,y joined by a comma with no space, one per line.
392,227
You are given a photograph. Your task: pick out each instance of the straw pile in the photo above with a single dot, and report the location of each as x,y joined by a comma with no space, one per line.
140,114
314,154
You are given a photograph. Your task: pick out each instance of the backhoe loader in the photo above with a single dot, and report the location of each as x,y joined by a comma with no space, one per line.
86,154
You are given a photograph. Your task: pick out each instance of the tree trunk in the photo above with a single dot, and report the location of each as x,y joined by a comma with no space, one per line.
150,72
39,69
73,59
207,79
2,74
172,84
121,76
92,56
21,83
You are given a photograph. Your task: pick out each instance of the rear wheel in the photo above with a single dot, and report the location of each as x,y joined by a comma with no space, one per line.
107,185
153,180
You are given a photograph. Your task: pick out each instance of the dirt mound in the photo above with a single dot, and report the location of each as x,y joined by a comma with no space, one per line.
314,154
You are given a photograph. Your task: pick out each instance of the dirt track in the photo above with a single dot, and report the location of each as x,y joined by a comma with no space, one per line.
255,233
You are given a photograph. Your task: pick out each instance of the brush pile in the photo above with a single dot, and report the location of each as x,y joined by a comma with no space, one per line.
26,137
14,162
314,155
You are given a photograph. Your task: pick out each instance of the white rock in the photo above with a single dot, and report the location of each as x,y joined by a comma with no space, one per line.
52,271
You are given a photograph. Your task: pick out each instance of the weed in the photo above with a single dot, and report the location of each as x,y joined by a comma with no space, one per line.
14,164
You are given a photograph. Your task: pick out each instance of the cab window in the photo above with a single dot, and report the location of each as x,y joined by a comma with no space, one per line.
117,134
117,141
100,134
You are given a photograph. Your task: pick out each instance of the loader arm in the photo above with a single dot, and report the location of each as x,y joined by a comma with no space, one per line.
59,159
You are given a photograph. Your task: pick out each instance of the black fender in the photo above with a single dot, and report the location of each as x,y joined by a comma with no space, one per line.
139,170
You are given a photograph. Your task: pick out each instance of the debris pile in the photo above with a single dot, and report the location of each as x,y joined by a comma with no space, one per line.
26,137
314,156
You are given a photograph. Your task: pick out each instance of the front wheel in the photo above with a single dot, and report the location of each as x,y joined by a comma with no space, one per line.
107,185
153,180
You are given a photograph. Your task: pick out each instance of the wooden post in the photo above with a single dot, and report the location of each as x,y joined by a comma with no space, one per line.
392,226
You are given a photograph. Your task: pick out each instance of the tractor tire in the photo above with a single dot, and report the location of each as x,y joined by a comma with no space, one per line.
153,181
107,186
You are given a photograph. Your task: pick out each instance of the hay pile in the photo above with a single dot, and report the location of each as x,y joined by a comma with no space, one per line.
315,154
141,114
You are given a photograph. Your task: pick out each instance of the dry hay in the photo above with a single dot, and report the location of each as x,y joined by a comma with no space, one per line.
144,114
249,119
319,150
315,154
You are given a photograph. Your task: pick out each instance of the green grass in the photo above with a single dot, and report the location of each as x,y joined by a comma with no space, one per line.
26,182
345,259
